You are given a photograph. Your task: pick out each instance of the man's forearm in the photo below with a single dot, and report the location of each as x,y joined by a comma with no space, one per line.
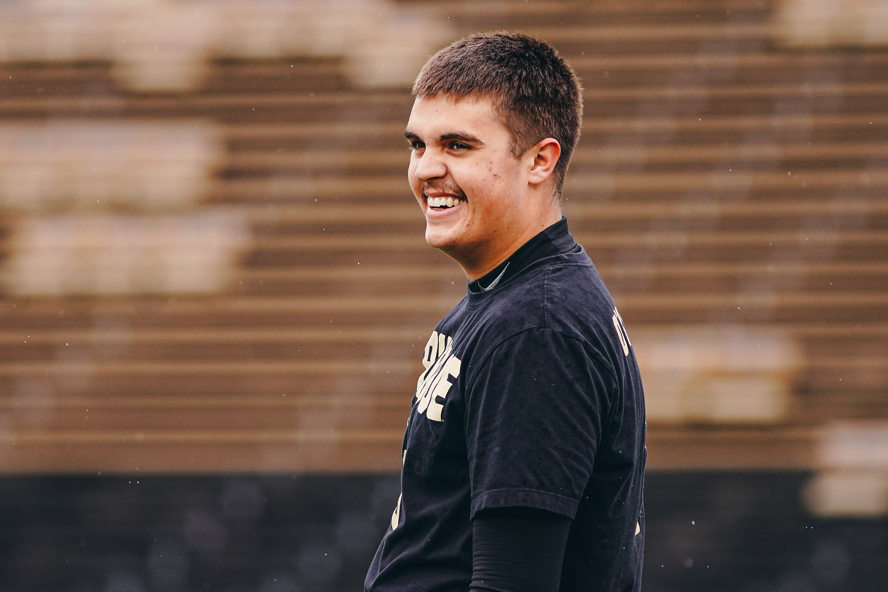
518,550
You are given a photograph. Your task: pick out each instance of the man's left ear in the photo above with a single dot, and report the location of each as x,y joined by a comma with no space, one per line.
545,156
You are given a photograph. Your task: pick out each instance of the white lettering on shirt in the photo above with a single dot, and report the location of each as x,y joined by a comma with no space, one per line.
442,370
621,332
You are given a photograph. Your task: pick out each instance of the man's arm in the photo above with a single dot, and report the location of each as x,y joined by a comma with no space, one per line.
518,550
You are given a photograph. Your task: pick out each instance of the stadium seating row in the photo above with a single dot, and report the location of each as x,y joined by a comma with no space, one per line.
166,45
75,164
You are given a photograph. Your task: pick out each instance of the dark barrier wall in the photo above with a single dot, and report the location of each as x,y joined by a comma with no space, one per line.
731,532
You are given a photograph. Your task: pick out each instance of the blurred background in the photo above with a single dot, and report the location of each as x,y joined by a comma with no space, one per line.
214,286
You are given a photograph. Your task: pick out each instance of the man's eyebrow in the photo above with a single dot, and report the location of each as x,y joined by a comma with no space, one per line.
462,137
458,136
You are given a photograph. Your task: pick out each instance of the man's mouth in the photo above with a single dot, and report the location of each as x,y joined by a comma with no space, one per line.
443,203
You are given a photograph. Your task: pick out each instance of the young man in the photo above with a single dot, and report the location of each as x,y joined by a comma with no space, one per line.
523,459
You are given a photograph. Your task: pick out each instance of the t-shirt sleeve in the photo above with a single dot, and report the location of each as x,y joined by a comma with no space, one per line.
534,416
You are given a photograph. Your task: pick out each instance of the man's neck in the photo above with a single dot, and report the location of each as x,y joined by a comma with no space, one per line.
478,270
552,241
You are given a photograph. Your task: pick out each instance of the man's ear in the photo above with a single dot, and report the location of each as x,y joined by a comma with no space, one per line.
545,156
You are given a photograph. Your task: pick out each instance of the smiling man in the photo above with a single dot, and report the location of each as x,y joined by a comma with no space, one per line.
523,459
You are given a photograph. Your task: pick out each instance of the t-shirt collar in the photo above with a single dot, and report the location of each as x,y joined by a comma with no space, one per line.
553,240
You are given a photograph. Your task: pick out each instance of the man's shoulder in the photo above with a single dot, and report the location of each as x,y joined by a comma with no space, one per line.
575,288
569,288
567,296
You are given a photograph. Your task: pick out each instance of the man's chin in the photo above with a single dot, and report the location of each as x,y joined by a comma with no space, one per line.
440,239
436,240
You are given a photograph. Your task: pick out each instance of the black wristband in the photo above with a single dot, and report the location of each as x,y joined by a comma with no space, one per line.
518,550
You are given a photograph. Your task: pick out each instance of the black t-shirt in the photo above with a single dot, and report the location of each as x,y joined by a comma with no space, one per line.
530,397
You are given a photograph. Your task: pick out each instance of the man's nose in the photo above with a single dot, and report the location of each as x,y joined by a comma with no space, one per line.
430,165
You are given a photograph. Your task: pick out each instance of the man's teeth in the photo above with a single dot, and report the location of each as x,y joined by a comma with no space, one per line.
440,202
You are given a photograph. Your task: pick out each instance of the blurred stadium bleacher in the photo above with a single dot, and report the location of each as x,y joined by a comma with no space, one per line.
731,190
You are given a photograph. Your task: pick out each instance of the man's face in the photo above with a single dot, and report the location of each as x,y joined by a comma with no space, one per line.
472,190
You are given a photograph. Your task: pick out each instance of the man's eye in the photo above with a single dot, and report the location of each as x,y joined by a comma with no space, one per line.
416,145
459,146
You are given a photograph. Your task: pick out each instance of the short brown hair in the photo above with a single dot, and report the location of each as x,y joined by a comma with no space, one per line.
536,92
